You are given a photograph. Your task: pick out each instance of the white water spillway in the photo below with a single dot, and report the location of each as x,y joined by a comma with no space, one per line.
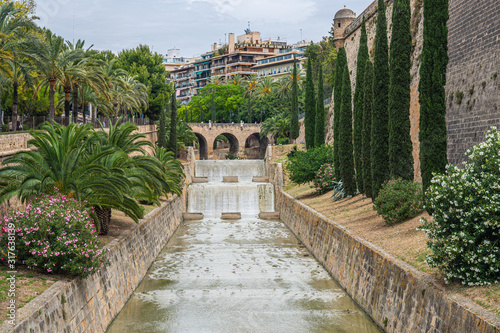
215,197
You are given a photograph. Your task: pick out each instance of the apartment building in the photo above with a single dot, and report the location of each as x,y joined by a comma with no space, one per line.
278,65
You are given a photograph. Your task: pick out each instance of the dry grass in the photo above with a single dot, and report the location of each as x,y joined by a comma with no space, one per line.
402,240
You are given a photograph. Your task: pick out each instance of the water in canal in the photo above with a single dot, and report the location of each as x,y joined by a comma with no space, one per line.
248,275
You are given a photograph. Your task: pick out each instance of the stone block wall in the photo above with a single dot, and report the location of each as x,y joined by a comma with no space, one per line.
473,85
90,305
474,51
395,295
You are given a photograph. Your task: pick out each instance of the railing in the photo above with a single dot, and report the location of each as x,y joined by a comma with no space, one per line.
25,123
241,70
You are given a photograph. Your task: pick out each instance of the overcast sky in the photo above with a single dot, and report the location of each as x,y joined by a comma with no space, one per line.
189,25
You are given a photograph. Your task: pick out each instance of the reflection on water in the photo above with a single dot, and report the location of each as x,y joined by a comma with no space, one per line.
241,276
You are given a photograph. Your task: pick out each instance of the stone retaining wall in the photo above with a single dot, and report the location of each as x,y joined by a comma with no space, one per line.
89,305
398,297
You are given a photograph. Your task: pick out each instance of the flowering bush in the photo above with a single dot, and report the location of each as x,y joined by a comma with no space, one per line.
324,180
54,234
399,200
464,233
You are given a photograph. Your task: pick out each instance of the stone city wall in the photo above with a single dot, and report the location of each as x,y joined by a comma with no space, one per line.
473,85
398,297
91,304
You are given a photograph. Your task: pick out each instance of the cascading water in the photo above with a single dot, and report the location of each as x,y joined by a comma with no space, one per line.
252,275
245,197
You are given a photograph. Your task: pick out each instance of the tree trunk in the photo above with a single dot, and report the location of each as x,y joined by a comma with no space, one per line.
67,101
84,113
75,103
104,217
52,94
15,103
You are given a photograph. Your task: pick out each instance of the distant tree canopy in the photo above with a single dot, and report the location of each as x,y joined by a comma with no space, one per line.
148,68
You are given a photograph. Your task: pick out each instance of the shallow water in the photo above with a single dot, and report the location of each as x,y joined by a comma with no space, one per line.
238,276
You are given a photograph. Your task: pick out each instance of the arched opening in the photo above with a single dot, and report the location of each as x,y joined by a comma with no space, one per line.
255,146
226,146
202,150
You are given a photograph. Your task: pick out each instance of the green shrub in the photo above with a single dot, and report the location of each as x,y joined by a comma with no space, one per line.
399,200
464,233
324,180
282,140
55,235
303,165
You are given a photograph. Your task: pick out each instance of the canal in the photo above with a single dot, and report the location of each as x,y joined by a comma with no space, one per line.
247,275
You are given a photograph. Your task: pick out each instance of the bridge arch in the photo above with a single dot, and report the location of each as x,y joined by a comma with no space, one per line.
237,134
203,146
262,143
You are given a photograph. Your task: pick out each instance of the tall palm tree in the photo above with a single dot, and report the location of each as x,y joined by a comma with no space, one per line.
251,84
15,39
51,64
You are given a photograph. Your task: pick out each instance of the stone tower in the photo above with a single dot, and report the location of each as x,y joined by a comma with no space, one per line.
342,19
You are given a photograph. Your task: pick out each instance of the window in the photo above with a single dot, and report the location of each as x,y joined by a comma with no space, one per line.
339,25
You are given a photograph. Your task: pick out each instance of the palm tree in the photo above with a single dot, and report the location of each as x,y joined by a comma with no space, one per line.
14,41
54,60
251,89
276,126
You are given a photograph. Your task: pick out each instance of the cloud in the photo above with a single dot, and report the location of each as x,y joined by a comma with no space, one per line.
263,10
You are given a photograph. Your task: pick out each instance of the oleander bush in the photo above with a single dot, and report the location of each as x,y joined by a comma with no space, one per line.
54,234
303,165
464,234
324,180
399,200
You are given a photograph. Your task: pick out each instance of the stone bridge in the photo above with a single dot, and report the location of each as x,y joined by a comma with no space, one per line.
239,136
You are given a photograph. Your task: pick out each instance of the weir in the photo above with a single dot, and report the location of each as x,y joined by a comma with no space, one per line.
243,275
244,196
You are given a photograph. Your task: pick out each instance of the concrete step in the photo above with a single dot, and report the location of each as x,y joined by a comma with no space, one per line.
260,179
198,180
269,216
192,216
231,216
230,179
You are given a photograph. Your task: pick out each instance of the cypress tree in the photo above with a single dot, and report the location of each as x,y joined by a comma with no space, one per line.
358,106
319,134
400,145
432,131
310,107
345,146
367,128
380,117
337,101
173,124
162,129
294,123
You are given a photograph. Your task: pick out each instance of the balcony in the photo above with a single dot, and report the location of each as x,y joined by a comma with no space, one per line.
241,70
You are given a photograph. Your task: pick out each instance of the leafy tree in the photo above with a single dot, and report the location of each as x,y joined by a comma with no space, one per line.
340,66
149,70
432,131
294,122
358,106
310,107
319,134
380,117
346,157
367,128
400,145
173,124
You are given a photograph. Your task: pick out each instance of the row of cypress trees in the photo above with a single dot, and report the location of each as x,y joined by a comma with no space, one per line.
162,128
314,108
378,146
